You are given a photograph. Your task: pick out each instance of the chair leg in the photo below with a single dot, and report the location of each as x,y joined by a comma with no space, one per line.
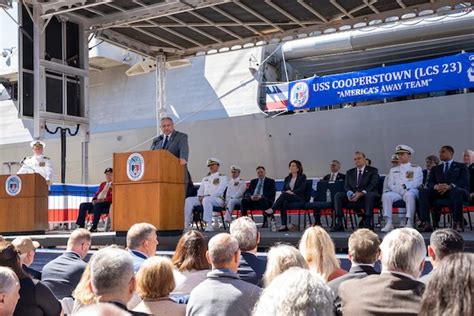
222,219
469,218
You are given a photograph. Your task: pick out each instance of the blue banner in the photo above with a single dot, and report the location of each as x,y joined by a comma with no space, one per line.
439,74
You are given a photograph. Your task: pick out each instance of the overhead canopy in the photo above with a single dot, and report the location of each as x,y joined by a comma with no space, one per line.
183,28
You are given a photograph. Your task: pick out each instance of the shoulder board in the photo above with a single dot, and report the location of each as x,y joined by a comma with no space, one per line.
413,165
47,158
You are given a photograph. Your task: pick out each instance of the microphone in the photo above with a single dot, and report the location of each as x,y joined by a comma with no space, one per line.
22,161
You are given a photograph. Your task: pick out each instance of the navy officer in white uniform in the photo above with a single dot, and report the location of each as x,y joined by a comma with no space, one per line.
38,163
210,194
235,190
403,183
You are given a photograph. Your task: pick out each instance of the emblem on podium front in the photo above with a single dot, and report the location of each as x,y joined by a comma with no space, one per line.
135,166
13,185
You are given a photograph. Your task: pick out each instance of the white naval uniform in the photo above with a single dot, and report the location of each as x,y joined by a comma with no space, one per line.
212,189
235,190
38,164
405,174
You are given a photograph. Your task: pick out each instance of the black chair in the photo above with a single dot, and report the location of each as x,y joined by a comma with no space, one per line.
300,206
199,210
319,202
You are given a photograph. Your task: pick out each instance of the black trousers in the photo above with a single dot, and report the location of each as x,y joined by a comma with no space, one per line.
262,204
367,202
282,204
455,196
98,209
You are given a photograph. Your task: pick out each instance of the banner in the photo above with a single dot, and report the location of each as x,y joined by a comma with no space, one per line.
439,74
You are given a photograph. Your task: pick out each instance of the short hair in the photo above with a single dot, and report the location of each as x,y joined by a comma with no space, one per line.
448,148
296,292
166,118
403,250
138,233
222,248
298,164
450,289
364,246
279,259
78,237
111,271
260,167
318,249
245,231
433,158
10,257
359,153
8,280
445,242
155,278
336,161
190,252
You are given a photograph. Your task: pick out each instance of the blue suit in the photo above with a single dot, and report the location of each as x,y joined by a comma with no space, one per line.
252,268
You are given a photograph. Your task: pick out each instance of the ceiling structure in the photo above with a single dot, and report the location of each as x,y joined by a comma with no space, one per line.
180,28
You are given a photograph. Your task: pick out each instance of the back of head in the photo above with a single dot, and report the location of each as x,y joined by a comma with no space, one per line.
279,259
296,292
155,278
364,246
78,237
450,290
222,248
403,250
318,249
445,242
138,233
102,309
245,231
10,257
190,252
9,291
8,280
111,271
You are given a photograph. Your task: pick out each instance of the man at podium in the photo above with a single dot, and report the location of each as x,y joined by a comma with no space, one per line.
37,163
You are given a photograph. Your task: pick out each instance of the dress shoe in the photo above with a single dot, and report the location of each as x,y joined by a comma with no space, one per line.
283,229
337,228
388,227
425,228
209,228
457,226
93,230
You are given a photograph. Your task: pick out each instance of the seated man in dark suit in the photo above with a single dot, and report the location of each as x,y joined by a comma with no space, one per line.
363,253
260,194
361,192
335,175
430,161
62,274
448,181
251,267
396,290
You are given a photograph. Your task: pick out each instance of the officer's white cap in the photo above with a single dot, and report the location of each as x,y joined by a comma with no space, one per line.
37,143
233,167
404,149
213,161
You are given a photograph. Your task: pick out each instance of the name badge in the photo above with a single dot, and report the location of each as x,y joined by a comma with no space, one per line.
216,181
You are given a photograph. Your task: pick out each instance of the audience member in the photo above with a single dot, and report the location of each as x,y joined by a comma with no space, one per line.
112,277
223,293
318,250
403,183
361,191
293,191
210,194
430,161
279,259
260,195
468,158
234,193
63,273
102,309
443,242
296,292
363,253
334,175
82,294
27,249
141,243
190,262
35,297
100,203
251,267
155,282
450,181
395,291
451,289
9,291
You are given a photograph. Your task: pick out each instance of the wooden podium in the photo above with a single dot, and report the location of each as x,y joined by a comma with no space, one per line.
27,211
148,187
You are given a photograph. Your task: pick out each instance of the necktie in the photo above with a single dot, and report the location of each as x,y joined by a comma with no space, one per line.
258,189
332,177
359,177
446,167
165,143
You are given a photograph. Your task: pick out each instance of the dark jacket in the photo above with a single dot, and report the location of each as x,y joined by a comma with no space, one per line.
369,181
36,300
458,174
252,268
339,177
269,189
300,185
35,274
63,274
177,144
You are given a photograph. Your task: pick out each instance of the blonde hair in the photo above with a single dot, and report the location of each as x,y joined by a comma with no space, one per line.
317,248
279,259
155,278
82,293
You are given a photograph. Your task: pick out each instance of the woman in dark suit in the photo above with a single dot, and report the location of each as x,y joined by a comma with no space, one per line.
293,191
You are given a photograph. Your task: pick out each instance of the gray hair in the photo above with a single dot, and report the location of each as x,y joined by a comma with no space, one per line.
222,248
279,259
111,271
403,250
138,233
245,231
296,292
445,242
8,280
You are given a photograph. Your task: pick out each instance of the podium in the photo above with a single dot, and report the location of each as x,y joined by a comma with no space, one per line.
23,203
149,186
